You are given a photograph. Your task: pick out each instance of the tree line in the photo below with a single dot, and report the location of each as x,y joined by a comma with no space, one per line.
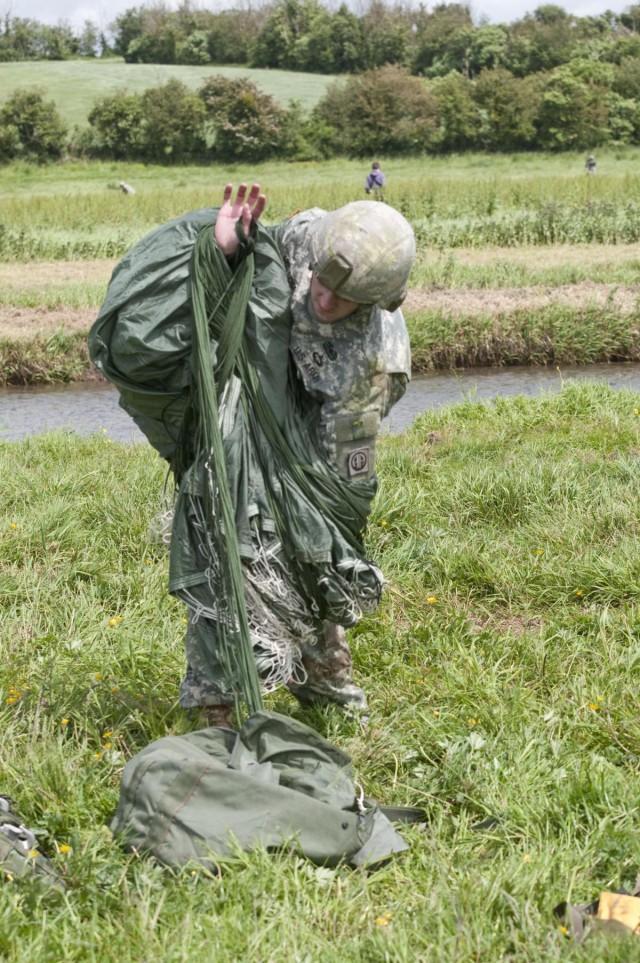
305,35
579,106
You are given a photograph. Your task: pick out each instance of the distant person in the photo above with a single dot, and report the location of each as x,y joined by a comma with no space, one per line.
375,182
590,165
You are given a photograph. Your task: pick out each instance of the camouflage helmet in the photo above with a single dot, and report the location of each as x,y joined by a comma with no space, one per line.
364,252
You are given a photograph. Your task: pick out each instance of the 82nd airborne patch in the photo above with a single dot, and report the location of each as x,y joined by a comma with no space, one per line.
358,462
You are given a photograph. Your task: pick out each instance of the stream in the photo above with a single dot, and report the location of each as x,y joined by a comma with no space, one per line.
89,408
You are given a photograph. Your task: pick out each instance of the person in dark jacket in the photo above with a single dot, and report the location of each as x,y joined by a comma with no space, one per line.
375,182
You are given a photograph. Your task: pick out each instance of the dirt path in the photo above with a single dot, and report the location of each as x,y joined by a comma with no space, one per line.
466,302
455,302
463,302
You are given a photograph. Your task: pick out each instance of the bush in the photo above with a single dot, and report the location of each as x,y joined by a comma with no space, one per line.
247,123
9,143
117,126
384,110
174,124
41,132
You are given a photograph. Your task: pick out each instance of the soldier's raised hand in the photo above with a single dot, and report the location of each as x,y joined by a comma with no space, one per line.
241,208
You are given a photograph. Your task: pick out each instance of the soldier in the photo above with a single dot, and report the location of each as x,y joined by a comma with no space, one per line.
348,272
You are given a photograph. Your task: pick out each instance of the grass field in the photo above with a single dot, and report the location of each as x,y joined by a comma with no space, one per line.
521,259
501,667
75,85
501,671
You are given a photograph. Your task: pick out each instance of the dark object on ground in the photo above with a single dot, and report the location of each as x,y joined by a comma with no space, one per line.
19,853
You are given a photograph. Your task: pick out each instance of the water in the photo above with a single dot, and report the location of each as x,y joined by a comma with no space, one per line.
87,409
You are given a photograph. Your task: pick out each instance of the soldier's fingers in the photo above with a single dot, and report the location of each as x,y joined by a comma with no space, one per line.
228,190
246,218
253,194
258,207
242,190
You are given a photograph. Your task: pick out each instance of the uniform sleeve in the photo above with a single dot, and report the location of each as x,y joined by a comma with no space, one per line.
396,387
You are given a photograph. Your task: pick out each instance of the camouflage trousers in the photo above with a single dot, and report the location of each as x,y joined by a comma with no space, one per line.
327,664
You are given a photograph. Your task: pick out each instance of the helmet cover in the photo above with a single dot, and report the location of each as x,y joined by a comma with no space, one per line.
364,252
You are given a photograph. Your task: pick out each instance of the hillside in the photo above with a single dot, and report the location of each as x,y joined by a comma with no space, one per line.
75,85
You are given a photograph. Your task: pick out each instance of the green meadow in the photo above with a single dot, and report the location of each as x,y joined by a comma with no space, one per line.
501,670
75,85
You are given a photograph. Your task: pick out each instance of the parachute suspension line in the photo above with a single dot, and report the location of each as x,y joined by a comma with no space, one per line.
236,648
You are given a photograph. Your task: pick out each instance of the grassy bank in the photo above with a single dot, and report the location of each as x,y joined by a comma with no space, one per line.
546,335
500,670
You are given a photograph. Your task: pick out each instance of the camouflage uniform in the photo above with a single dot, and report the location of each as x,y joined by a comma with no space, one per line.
355,369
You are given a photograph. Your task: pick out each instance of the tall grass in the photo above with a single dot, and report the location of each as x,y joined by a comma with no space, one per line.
500,669
553,334
508,267
44,358
76,211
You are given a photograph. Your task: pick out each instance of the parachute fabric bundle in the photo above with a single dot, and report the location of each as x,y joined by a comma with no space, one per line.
311,571
296,524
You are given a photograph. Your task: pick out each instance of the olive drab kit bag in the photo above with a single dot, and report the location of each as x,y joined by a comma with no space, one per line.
198,798
200,356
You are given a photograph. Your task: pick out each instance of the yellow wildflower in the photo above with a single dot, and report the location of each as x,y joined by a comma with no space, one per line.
636,411
64,722
64,848
563,930
436,713
539,551
526,858
33,853
473,722
383,920
11,700
107,733
579,592
12,525
107,745
384,523
98,755
432,599
98,675
594,706
114,688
